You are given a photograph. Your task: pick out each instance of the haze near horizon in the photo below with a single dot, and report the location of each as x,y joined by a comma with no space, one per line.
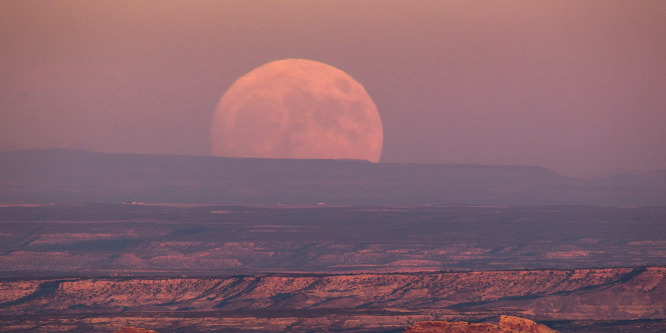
575,87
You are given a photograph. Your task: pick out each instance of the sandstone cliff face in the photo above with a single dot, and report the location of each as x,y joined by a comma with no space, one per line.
507,324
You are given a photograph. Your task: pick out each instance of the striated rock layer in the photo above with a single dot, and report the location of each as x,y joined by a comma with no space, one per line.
617,293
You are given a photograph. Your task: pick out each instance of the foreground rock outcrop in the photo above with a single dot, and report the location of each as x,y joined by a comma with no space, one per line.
507,324
523,325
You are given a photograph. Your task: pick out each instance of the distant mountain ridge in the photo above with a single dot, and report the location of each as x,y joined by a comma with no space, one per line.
60,175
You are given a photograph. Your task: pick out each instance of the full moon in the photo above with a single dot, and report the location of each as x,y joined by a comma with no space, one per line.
297,108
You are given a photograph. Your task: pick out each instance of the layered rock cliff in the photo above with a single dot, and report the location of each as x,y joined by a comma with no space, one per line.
616,293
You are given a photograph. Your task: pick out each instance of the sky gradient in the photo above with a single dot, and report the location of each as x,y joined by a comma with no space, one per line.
578,87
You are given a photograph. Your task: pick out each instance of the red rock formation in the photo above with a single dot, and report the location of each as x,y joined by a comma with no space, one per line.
512,323
507,324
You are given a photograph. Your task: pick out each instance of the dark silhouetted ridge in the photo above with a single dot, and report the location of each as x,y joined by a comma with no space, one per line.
59,175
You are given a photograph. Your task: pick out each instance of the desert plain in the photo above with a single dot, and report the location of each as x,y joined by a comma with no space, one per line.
98,242
252,268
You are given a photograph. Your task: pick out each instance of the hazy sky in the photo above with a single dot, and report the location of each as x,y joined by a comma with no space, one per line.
578,87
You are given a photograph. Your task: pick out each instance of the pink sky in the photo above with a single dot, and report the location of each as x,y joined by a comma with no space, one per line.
578,87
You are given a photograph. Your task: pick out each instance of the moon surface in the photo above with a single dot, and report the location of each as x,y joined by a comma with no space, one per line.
297,108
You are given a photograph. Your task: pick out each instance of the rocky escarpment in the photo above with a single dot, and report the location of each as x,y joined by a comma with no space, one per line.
507,324
342,302
616,293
